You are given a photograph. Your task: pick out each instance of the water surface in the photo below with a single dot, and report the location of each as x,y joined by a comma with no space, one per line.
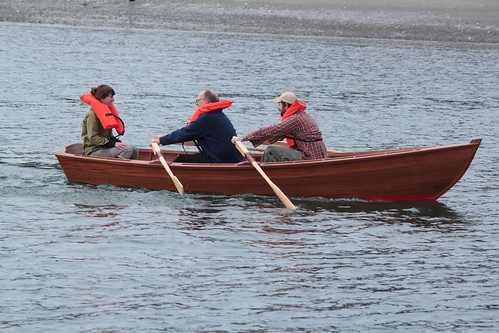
83,258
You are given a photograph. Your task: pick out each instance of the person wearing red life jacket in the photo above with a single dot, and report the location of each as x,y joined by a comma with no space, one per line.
210,129
98,124
302,134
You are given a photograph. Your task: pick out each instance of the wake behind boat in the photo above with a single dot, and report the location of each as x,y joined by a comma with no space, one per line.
387,175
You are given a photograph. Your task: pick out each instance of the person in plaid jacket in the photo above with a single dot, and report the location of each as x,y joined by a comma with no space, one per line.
302,134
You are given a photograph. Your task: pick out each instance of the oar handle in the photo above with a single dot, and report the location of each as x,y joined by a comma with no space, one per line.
156,150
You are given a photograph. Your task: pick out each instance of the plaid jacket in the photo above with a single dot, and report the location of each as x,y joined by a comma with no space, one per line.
301,127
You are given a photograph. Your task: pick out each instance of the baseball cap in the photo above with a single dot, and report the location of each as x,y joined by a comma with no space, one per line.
287,97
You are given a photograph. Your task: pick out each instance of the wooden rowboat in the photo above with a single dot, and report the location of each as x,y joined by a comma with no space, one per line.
386,175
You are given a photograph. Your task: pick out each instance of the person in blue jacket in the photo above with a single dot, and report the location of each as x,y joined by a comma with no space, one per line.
210,129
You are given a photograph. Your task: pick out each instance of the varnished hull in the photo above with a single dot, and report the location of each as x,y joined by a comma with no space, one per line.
390,175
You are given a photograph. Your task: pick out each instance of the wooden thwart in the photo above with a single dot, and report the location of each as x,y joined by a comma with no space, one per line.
281,143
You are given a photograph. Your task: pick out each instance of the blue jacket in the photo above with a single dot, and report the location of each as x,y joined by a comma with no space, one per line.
213,131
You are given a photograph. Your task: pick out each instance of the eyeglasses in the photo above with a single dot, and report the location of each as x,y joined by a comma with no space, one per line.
200,99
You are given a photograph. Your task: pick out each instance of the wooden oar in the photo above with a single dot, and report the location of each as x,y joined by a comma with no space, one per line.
244,151
176,182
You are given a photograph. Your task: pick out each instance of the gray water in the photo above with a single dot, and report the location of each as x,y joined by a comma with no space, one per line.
81,258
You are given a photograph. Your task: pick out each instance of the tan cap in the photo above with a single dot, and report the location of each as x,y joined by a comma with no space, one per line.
287,97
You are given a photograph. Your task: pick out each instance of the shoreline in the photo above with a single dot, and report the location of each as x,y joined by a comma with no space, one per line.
439,20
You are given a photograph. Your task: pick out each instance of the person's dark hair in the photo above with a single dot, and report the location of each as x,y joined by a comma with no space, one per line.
211,96
102,91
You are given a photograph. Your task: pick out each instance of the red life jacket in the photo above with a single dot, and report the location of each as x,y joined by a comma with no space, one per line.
209,107
108,116
294,108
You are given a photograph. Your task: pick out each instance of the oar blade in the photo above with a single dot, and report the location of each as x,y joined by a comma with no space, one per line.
244,151
283,197
176,182
179,186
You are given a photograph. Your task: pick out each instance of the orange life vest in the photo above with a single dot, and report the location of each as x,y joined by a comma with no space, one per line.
108,116
209,107
294,108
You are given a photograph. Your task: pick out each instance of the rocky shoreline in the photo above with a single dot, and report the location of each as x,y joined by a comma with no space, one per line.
439,20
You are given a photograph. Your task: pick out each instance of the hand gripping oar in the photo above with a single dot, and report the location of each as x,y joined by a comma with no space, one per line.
176,182
244,151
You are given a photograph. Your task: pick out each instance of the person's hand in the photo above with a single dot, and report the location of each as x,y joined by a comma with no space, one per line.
120,145
155,140
161,135
236,138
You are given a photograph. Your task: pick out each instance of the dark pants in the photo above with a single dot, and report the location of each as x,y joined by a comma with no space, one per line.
193,158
